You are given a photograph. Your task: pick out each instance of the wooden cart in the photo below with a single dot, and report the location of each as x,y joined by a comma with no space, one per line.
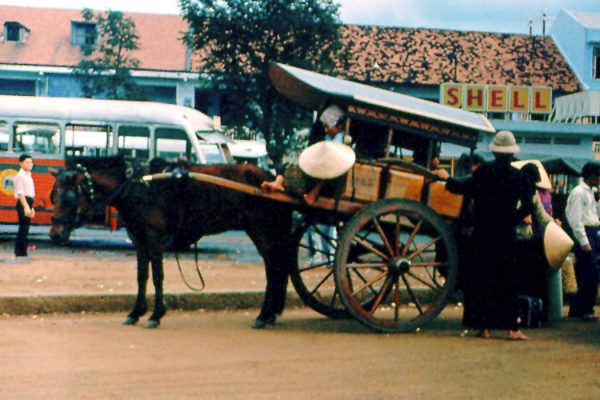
386,255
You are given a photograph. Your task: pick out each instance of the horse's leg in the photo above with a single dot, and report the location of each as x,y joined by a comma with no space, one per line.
160,309
140,306
278,255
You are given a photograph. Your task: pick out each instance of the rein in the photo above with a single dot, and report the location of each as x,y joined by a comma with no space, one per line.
183,176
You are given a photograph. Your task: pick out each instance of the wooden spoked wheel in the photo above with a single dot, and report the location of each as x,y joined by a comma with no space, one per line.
313,279
396,265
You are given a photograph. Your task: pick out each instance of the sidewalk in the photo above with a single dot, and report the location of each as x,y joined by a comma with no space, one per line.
102,278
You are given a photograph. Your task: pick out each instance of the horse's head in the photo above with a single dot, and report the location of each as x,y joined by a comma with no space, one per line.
72,196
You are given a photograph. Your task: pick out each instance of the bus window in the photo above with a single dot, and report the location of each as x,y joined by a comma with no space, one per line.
212,153
87,140
36,138
3,136
134,142
172,144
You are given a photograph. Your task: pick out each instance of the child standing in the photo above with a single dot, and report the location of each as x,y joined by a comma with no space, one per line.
24,193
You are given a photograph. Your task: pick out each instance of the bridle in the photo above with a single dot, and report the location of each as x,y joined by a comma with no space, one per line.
85,187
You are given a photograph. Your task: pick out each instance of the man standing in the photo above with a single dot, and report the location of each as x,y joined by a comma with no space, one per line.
24,193
582,216
497,189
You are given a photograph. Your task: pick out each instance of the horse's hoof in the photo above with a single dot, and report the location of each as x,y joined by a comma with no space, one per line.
262,323
152,324
130,321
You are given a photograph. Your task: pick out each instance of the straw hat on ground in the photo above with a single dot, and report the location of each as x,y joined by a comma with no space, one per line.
557,245
326,160
504,142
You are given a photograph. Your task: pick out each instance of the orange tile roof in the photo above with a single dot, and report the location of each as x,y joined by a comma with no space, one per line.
404,55
420,56
49,39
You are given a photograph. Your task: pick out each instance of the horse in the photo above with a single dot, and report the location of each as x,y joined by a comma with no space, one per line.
177,212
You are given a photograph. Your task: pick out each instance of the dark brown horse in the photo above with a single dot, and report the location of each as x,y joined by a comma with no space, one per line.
178,212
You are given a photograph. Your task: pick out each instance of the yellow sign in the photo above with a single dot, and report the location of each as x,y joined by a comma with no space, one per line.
497,98
475,97
519,99
541,100
452,95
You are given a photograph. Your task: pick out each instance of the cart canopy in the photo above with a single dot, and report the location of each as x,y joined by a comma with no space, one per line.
399,111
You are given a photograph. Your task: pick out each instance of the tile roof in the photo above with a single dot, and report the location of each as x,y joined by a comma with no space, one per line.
49,39
418,56
404,55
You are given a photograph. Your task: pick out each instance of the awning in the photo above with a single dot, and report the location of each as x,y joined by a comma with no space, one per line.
315,91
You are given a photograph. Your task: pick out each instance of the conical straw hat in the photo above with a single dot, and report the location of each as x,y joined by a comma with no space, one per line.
557,245
326,160
544,182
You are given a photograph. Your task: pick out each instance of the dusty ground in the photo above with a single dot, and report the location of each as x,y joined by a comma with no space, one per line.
111,270
205,355
196,355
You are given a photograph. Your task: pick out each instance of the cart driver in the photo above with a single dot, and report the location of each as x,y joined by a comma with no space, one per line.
293,178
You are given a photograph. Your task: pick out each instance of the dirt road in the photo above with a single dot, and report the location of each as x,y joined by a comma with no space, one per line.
216,356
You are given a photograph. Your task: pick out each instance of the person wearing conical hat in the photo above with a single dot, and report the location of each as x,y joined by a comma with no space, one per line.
318,163
490,284
583,220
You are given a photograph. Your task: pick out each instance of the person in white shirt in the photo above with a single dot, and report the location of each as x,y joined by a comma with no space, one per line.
582,217
24,193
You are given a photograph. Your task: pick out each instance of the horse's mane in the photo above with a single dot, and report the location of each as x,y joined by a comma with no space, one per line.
115,164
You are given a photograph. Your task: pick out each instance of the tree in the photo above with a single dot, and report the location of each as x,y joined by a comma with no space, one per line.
236,40
106,69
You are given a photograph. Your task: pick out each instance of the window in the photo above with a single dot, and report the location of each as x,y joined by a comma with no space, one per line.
87,140
36,138
14,31
567,141
134,142
83,33
3,136
172,144
537,140
596,63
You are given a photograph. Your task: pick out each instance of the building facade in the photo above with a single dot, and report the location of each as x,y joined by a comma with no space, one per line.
39,47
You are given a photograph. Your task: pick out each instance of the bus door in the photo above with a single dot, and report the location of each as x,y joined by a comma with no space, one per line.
42,141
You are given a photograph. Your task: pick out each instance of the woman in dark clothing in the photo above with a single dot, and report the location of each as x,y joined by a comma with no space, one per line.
490,292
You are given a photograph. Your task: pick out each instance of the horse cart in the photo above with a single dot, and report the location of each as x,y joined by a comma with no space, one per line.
390,260
383,251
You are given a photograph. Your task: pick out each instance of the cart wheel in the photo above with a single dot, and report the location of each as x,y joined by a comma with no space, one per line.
313,280
406,271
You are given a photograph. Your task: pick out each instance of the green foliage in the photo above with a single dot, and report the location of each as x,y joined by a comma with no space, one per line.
236,40
105,71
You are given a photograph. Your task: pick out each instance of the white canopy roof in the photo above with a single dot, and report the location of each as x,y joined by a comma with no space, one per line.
313,90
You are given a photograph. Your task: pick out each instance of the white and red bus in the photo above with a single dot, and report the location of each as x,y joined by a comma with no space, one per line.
53,129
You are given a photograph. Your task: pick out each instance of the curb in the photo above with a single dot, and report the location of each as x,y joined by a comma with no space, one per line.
214,301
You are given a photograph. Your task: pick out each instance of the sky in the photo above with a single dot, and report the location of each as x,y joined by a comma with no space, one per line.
508,16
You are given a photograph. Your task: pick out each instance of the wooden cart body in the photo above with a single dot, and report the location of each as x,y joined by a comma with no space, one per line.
393,214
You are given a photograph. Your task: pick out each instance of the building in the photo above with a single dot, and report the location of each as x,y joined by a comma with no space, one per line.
39,47
418,61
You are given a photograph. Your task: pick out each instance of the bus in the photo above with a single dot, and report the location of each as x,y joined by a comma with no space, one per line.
250,152
53,129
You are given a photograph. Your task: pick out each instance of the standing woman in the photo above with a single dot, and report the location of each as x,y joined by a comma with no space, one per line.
24,193
491,287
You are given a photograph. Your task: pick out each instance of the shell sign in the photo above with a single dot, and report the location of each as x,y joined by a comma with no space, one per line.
497,98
